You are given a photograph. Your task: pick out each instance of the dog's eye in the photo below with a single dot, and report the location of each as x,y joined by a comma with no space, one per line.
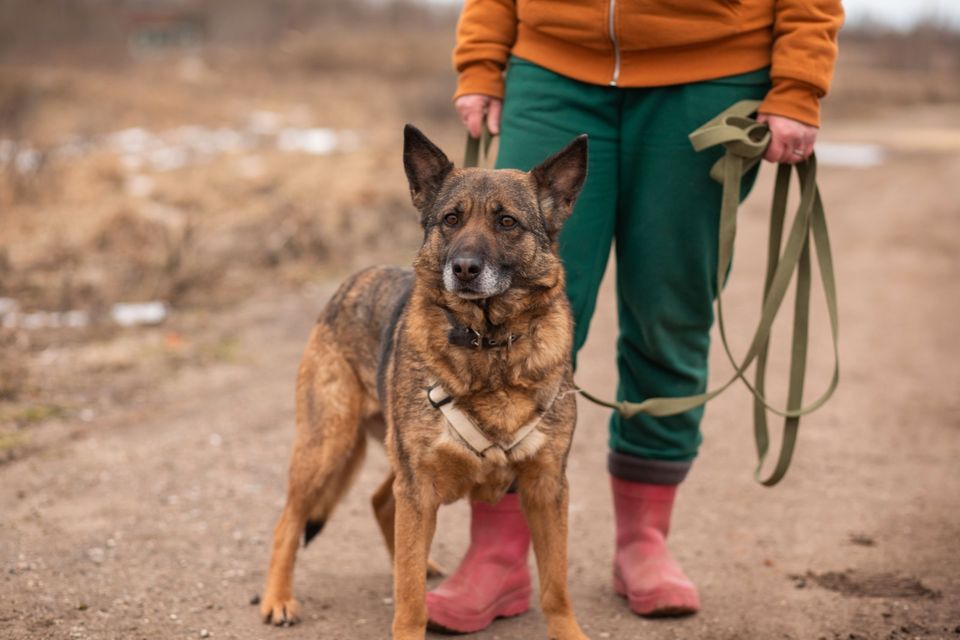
508,222
451,219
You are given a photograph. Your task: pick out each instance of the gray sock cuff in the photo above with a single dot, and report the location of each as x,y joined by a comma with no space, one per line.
646,470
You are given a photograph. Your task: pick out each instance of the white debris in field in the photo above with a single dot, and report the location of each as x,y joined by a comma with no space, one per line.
139,185
131,314
318,142
28,160
264,123
858,156
249,167
140,149
24,158
175,148
8,306
313,141
44,319
97,555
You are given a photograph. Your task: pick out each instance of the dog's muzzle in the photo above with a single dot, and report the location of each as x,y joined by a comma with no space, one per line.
474,279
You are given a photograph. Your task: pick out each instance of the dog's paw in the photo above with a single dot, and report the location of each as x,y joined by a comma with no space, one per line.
566,629
434,570
281,612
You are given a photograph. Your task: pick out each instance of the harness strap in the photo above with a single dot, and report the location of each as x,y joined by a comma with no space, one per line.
474,437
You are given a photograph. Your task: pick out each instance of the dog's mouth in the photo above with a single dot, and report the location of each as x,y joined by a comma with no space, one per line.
466,294
488,283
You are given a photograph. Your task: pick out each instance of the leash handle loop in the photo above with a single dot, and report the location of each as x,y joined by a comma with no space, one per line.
745,142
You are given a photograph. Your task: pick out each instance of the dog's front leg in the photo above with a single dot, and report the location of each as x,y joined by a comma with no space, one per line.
416,521
544,499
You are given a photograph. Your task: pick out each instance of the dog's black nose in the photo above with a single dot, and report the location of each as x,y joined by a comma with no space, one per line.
467,266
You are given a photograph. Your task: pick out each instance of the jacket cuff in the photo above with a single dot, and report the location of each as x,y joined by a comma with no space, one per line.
793,99
481,77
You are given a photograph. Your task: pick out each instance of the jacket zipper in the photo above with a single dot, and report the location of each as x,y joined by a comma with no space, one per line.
616,45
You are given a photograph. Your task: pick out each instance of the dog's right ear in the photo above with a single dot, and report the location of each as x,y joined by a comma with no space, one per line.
426,166
559,180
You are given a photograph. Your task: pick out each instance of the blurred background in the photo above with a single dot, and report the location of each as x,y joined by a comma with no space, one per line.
184,182
186,153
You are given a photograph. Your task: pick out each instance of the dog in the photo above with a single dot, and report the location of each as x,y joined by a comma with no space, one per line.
461,366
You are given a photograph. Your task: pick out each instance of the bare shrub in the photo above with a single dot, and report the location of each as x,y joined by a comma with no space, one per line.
880,67
154,254
22,167
14,371
413,52
291,234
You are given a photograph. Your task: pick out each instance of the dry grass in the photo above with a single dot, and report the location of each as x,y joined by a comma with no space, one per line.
228,217
14,372
85,230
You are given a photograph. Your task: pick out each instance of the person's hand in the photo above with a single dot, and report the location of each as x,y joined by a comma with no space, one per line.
472,108
791,141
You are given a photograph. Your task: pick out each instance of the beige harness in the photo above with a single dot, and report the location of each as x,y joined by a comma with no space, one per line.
468,430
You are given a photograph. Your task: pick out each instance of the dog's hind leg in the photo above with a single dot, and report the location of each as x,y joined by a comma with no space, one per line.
327,452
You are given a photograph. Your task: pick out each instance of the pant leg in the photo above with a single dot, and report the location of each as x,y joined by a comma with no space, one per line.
666,246
542,113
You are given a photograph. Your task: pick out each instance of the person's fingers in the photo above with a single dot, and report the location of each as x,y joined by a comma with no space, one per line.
809,141
471,110
793,147
474,121
774,150
791,141
462,111
493,115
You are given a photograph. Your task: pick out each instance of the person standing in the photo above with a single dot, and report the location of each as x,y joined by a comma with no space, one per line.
637,76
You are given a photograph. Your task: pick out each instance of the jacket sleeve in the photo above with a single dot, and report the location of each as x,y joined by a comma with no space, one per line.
804,53
485,35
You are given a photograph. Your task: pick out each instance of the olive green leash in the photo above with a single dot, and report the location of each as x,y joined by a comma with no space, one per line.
745,141
472,154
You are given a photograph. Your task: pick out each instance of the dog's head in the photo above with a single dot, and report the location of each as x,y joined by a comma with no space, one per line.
486,232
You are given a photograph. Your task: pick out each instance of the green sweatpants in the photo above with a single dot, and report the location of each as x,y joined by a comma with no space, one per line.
648,192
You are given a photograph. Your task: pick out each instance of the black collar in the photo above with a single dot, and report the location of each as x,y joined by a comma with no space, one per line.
464,336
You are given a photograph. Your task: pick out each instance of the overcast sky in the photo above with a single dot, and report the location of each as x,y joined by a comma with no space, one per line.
903,13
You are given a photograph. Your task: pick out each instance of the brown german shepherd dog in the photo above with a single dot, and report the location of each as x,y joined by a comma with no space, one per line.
461,366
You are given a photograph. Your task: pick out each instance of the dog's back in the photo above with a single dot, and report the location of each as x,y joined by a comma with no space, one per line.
361,316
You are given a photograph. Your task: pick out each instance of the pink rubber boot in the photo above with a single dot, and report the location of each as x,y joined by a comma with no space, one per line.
493,580
644,571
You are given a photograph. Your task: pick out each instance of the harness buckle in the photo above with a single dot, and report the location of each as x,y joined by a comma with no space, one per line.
436,404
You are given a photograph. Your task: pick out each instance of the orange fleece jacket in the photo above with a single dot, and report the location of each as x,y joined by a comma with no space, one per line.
650,43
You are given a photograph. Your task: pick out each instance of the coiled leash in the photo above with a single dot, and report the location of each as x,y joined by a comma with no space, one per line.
745,141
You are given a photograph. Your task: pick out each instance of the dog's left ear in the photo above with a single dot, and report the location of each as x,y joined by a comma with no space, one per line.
559,180
426,167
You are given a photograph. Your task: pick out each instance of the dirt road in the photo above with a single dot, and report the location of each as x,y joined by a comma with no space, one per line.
154,522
